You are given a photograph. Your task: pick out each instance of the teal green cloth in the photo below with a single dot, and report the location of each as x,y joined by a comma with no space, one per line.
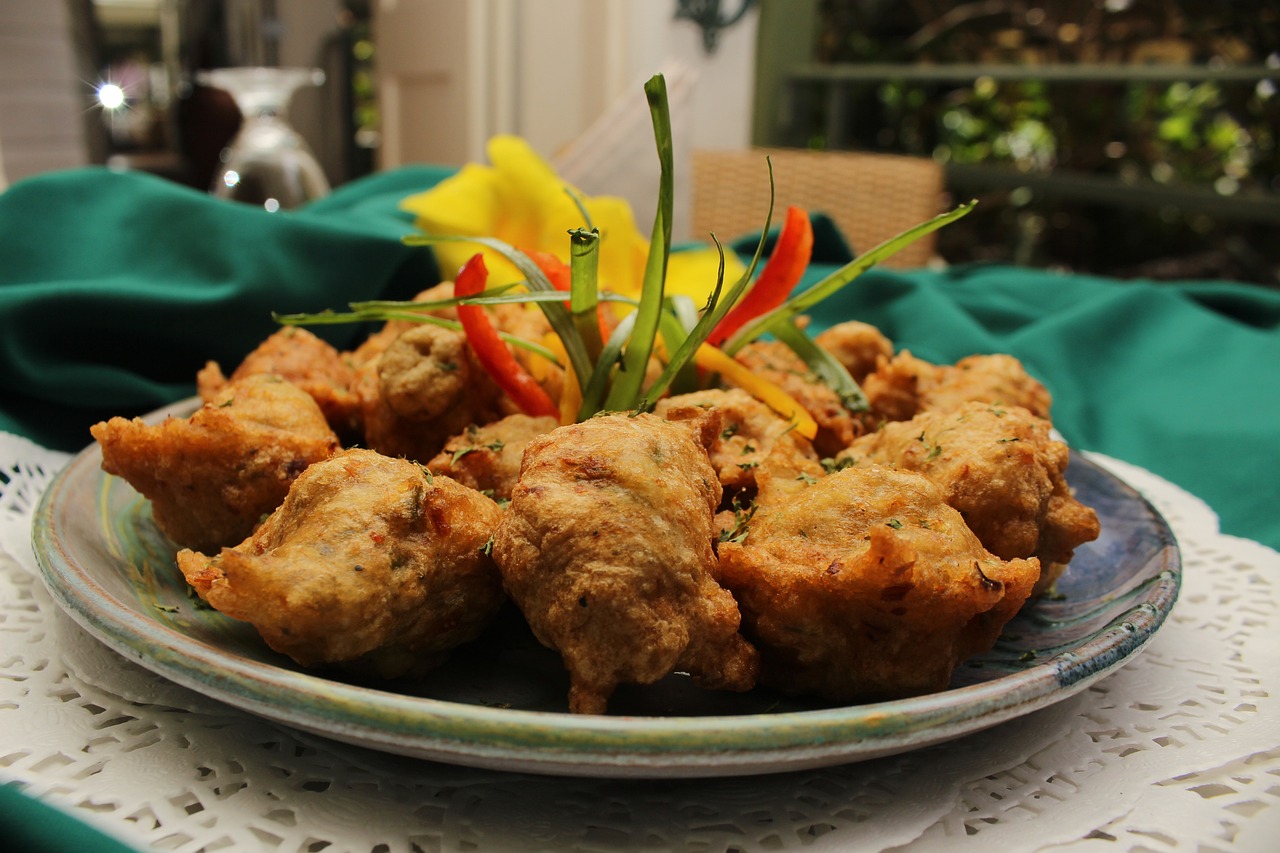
1180,379
33,826
116,288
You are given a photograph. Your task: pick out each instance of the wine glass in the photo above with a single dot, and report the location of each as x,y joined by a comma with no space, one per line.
267,163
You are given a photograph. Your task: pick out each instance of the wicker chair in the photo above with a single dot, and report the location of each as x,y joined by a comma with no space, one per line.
870,197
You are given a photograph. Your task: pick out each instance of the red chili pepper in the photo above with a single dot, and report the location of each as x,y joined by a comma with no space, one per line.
787,263
491,350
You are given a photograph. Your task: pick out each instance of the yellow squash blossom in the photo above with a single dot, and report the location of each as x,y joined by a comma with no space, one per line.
520,200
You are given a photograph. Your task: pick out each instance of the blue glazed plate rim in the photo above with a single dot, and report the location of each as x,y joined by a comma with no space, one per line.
562,743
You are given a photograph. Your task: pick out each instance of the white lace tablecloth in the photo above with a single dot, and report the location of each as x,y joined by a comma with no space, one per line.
1179,750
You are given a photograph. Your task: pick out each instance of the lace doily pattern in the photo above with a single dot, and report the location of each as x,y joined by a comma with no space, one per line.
1178,750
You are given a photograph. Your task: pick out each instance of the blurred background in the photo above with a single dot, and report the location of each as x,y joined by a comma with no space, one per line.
1131,138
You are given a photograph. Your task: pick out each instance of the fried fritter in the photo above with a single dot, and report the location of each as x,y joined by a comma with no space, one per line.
297,356
487,458
860,347
376,344
776,362
904,386
423,389
865,585
1000,467
749,432
211,477
606,549
370,561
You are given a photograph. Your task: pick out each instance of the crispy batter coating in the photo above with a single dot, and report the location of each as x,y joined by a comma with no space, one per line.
948,507
1001,468
776,362
370,561
211,477
859,346
865,585
905,385
487,458
606,549
523,321
377,343
423,389
297,356
749,432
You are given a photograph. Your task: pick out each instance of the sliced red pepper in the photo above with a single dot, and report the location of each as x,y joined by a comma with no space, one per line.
491,350
561,278
556,270
786,266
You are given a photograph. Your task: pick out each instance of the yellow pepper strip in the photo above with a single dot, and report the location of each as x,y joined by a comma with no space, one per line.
709,358
570,394
539,365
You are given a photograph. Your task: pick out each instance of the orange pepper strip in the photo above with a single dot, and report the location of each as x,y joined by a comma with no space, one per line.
570,394
786,266
556,270
717,361
491,350
561,278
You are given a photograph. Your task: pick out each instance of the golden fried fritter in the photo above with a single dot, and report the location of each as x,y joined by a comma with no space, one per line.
1000,467
996,378
487,458
377,343
211,477
297,356
865,585
523,321
423,389
860,347
776,362
749,432
606,549
369,560
905,385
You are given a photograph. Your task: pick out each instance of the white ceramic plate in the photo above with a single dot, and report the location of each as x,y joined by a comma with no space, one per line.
500,703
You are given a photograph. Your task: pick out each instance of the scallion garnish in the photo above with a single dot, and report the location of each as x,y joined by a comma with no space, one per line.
626,389
610,368
801,302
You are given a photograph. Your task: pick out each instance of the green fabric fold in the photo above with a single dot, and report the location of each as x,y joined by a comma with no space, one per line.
1178,378
116,287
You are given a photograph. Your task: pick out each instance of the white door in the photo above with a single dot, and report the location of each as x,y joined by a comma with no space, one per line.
452,73
567,76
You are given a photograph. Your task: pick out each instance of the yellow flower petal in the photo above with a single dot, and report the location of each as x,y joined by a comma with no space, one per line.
692,272
519,199
464,203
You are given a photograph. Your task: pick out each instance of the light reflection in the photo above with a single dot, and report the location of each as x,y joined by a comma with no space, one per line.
272,205
231,178
110,96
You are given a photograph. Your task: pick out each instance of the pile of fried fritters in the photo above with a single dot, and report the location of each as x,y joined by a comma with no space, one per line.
374,509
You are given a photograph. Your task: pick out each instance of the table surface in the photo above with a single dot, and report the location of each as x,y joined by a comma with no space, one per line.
1178,750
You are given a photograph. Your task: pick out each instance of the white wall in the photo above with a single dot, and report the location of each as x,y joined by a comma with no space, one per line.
567,76
711,102
722,102
42,100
